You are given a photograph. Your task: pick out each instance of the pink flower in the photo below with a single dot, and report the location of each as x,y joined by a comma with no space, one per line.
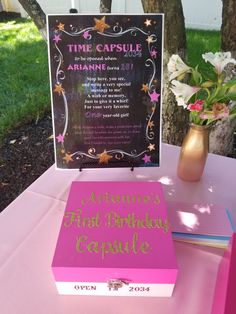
196,106
207,114
219,111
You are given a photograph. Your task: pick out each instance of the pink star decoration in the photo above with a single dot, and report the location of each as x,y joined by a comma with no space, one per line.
146,159
86,34
154,53
60,138
56,38
154,96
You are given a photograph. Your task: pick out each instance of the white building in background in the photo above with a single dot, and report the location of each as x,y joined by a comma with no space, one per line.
200,14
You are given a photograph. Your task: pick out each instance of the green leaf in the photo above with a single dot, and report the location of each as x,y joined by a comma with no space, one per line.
197,77
231,83
207,84
231,96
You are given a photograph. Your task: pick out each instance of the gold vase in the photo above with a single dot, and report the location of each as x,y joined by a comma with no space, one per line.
194,153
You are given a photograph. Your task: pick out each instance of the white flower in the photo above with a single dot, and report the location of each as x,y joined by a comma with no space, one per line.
183,92
219,60
176,67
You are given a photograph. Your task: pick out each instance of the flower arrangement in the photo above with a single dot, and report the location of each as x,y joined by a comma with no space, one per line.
209,96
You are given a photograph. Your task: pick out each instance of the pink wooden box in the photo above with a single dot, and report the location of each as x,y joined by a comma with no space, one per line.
224,299
115,239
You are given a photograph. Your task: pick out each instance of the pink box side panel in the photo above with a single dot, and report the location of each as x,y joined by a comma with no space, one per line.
230,297
131,275
224,298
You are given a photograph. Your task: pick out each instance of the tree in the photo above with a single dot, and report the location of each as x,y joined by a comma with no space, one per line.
36,13
222,134
175,119
105,6
228,30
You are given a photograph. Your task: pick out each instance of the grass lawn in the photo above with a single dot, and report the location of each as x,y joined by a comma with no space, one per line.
24,80
199,42
24,83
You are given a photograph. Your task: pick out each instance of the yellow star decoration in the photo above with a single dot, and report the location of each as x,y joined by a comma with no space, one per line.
151,147
145,88
68,158
150,124
58,89
100,25
104,157
61,26
148,22
150,39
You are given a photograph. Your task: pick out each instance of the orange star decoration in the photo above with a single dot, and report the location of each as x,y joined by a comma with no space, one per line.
145,88
61,26
68,158
148,22
58,89
100,25
150,124
151,147
104,157
150,39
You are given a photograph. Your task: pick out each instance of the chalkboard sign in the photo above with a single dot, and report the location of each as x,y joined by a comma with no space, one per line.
106,78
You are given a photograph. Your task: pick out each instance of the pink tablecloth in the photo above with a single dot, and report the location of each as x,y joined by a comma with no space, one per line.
30,225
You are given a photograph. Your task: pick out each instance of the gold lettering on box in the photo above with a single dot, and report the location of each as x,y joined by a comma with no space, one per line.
145,247
103,248
81,220
122,217
131,220
78,243
69,218
107,198
92,247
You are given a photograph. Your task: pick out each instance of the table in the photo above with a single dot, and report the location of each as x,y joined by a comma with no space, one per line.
30,225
